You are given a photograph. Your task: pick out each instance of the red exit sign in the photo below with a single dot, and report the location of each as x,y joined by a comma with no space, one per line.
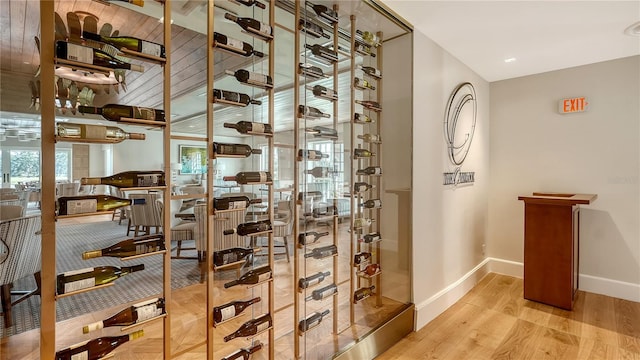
573,105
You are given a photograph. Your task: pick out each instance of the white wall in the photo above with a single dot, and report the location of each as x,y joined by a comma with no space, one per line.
449,224
534,148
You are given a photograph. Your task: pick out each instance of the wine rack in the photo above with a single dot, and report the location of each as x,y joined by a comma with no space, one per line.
366,96
254,85
95,133
317,55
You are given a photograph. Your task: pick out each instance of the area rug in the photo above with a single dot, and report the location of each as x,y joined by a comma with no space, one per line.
71,242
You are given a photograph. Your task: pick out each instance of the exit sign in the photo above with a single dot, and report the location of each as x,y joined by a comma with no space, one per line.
572,105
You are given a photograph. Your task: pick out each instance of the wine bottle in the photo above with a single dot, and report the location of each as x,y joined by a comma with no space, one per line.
319,172
323,293
89,55
87,278
322,252
250,177
323,92
251,3
129,43
371,171
234,45
231,255
324,13
372,204
128,179
312,321
130,247
362,153
133,2
372,237
251,327
370,105
370,270
252,277
303,238
371,71
364,49
369,38
251,78
227,311
311,112
363,84
94,133
233,98
360,187
221,150
363,293
134,314
311,155
312,29
362,222
84,204
252,26
360,118
245,127
234,202
115,112
323,132
244,353
310,70
250,228
370,138
312,280
96,348
361,258
323,52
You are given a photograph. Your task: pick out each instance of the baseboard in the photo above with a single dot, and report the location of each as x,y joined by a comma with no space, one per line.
609,287
438,303
441,301
594,284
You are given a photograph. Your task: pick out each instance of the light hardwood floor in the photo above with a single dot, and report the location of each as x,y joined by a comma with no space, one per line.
494,321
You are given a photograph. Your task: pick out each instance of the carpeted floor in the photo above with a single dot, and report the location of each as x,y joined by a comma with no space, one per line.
71,242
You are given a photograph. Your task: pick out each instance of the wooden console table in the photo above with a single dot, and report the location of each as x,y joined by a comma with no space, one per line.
551,243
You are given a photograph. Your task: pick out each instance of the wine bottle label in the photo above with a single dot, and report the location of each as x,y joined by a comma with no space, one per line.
144,113
149,179
327,292
81,356
313,323
228,312
264,28
151,48
263,326
235,43
237,205
79,285
148,312
312,154
82,206
257,78
229,258
263,176
329,93
78,53
257,127
264,277
313,281
94,132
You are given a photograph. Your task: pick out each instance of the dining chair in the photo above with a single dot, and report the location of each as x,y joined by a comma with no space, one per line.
183,231
145,214
20,256
190,190
8,212
283,225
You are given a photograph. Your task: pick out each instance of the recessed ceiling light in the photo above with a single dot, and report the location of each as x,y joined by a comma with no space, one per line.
510,60
633,30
